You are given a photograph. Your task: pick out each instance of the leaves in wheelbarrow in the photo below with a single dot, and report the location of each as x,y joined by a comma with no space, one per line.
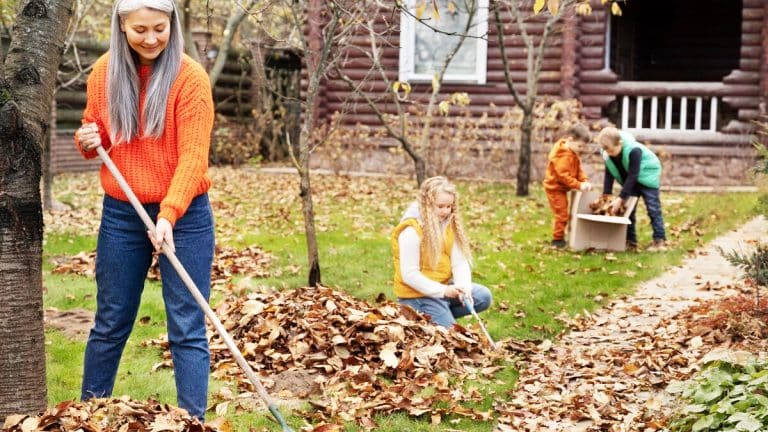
365,359
227,262
111,415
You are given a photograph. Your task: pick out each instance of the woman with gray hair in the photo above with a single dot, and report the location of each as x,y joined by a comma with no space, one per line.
151,107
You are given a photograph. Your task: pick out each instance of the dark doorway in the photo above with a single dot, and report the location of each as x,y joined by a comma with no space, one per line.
676,40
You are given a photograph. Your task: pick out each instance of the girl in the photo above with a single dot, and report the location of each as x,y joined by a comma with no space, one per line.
432,256
151,107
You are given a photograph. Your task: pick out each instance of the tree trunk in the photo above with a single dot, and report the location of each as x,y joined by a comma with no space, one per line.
27,80
226,44
524,162
47,174
421,169
186,27
307,207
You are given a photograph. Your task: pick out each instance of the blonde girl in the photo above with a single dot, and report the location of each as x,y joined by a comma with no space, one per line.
432,257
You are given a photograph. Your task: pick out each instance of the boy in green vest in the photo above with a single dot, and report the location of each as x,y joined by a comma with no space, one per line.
638,170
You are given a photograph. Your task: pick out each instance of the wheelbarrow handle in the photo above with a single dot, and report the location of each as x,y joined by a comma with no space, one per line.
190,284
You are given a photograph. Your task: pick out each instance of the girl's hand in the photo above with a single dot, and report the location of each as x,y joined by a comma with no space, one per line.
88,136
163,233
453,291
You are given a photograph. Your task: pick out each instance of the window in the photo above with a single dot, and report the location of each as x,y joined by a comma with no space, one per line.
423,50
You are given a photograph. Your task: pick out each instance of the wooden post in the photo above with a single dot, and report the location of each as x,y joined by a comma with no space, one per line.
570,46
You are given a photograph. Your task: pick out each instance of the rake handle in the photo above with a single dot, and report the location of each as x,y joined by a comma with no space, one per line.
468,301
190,284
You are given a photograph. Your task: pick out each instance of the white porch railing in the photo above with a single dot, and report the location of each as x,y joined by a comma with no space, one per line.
669,106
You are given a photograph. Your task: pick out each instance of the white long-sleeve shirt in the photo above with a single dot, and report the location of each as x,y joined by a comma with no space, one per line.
410,263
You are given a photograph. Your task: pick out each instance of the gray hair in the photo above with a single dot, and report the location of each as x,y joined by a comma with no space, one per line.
123,79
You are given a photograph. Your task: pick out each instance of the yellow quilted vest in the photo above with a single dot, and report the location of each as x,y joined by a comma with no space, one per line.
440,274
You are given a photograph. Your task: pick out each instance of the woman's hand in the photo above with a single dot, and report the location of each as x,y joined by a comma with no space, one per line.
163,233
88,136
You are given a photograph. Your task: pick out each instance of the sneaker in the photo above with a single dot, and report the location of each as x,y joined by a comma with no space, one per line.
659,245
631,246
559,244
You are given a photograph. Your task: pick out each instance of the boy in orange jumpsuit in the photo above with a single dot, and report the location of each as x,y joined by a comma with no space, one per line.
564,173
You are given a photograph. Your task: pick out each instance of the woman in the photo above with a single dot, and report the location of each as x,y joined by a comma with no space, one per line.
151,107
432,256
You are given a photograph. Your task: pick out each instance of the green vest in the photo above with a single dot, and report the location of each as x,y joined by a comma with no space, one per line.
650,166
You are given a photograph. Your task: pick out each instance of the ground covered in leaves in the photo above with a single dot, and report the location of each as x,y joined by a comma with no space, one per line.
368,365
363,359
110,415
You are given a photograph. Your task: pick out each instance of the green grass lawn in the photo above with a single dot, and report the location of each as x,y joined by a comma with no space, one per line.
532,284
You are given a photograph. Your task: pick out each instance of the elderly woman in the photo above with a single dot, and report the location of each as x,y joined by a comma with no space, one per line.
151,107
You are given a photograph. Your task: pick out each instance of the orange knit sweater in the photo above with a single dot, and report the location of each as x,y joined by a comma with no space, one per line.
172,169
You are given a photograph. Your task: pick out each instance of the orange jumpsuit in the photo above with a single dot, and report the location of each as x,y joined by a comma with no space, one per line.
564,173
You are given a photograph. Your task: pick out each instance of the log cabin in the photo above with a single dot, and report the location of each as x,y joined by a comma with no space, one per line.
687,77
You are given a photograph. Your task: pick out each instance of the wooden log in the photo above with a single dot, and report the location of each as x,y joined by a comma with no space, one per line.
595,63
742,101
750,65
692,138
749,114
69,115
592,27
593,51
548,64
741,77
602,75
227,80
751,26
751,51
666,88
549,52
763,71
592,39
596,100
751,39
71,98
752,14
592,112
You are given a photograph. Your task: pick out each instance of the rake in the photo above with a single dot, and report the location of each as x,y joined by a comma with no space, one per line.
195,292
471,306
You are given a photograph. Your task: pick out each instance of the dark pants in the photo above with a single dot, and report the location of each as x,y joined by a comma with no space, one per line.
123,257
652,201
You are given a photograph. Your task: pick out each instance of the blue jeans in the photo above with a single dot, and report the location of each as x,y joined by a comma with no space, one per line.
123,257
652,202
444,311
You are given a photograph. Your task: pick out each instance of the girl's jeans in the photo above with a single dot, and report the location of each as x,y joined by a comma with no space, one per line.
123,256
444,311
653,205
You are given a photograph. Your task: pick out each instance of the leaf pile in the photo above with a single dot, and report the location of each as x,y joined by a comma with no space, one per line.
110,415
607,378
227,262
602,206
366,359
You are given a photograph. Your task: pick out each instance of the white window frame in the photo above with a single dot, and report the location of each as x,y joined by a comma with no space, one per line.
408,41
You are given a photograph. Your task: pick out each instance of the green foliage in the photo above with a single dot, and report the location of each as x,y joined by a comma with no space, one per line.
755,265
723,397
